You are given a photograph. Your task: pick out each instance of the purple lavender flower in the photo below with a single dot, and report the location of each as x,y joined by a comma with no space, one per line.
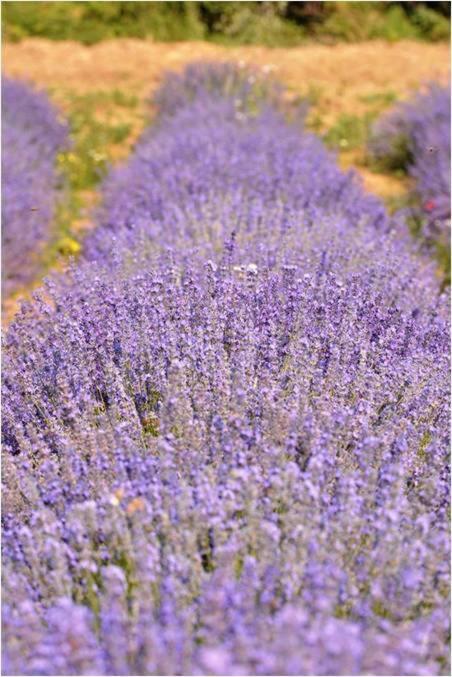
32,137
416,135
208,162
225,438
249,89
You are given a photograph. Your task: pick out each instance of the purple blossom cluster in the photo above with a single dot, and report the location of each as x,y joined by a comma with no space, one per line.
249,89
218,165
32,135
225,438
417,136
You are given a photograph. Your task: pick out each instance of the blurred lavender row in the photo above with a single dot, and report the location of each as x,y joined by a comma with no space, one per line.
32,135
416,136
219,164
225,431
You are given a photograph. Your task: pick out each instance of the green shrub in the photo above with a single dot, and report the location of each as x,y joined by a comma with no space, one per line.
431,25
269,23
355,21
349,131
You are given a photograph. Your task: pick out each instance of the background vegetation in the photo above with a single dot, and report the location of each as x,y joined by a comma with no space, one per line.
269,23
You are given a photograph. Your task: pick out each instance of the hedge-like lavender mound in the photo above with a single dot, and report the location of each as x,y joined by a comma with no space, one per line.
219,164
416,136
229,455
32,136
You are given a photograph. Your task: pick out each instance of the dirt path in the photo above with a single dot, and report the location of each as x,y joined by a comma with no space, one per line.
340,80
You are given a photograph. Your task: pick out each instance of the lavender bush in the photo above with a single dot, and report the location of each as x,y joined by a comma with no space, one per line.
250,89
32,136
217,163
226,443
416,136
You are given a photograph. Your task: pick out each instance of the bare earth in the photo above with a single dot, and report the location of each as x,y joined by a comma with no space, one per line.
339,79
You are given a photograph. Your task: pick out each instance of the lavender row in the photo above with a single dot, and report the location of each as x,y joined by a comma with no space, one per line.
416,135
32,136
226,436
250,88
219,164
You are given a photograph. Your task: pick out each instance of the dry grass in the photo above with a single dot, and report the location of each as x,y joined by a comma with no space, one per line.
344,72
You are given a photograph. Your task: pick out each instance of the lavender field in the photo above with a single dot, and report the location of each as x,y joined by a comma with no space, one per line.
226,425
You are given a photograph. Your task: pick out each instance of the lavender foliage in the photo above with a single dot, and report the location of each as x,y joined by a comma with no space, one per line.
416,135
226,442
219,162
249,88
32,135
